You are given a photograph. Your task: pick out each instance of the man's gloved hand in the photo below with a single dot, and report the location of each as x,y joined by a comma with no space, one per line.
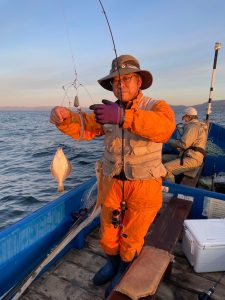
108,113
59,114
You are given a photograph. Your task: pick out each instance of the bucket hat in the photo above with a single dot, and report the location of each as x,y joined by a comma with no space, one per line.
126,64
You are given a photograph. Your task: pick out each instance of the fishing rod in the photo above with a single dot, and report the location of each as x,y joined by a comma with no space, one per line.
209,109
207,295
123,203
217,47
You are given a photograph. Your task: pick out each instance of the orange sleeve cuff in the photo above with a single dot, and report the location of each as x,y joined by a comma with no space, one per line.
72,126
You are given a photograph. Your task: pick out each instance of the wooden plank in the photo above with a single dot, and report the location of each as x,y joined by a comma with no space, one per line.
118,296
169,291
70,279
169,225
85,259
192,181
195,283
57,288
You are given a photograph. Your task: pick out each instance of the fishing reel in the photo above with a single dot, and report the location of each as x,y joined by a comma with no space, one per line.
116,216
79,214
206,296
117,220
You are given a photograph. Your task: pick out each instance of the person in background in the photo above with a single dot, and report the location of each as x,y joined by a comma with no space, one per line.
190,145
132,181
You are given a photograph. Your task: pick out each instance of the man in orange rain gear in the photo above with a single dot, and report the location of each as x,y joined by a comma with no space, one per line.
135,126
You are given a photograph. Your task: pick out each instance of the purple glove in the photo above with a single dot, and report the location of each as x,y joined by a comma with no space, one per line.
108,113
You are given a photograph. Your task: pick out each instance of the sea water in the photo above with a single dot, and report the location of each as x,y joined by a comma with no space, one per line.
27,145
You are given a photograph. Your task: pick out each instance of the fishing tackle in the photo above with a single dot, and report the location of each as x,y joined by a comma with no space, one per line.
75,84
123,203
76,102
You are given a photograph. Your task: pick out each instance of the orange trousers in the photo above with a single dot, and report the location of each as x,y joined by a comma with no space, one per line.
143,199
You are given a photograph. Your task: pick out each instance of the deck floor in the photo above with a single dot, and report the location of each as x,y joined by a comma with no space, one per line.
71,278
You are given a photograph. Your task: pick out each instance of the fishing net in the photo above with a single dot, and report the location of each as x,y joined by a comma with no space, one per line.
214,149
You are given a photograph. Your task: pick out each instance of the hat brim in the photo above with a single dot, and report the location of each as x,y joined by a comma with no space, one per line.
145,75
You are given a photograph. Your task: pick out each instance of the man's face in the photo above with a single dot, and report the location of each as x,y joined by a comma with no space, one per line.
186,118
126,87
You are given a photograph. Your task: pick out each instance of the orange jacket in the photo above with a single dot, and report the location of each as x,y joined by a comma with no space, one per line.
156,125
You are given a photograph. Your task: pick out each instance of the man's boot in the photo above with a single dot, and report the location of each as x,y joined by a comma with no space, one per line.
122,268
108,271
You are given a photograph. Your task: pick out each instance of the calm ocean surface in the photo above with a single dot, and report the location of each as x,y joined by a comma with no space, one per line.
27,145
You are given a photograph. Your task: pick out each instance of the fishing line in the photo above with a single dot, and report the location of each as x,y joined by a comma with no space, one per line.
123,203
75,83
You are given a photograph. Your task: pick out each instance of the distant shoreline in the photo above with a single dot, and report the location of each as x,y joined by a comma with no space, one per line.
28,108
25,108
215,103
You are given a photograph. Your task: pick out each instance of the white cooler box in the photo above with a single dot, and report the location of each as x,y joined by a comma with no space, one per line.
204,244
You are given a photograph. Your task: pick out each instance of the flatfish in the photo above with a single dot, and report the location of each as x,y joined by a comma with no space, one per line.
60,168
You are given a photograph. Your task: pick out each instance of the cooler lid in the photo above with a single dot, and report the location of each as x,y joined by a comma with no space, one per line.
207,232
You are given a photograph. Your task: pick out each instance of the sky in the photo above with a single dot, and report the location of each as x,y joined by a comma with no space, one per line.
44,43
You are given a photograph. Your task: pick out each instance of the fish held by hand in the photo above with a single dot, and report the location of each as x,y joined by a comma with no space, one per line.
60,168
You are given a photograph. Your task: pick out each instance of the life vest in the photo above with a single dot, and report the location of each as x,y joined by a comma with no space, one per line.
142,158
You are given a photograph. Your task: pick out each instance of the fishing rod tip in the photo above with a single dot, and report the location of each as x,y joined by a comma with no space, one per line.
217,46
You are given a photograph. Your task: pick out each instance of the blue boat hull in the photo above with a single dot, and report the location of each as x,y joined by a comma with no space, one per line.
26,243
